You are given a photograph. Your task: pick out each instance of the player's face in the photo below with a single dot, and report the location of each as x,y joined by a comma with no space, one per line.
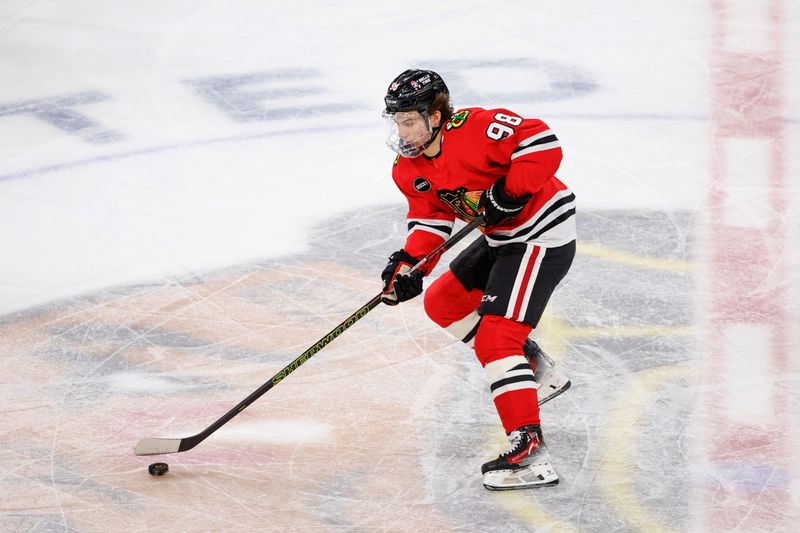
412,127
409,132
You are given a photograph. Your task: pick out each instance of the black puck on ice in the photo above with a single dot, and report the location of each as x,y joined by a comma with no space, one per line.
158,469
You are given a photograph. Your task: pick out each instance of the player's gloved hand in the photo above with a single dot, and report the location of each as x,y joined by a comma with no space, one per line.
499,206
398,286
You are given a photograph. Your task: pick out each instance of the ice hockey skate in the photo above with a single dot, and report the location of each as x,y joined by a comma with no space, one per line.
525,464
551,381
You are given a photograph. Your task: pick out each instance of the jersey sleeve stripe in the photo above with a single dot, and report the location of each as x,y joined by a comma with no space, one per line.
542,137
445,225
442,234
536,147
440,230
535,137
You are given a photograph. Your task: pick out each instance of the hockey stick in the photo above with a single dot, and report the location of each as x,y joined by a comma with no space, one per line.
158,446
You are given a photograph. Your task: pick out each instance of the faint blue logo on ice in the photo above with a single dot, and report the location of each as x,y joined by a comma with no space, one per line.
287,94
513,80
59,111
289,98
270,95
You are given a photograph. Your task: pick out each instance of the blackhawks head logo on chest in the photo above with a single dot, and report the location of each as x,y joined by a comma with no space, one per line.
462,202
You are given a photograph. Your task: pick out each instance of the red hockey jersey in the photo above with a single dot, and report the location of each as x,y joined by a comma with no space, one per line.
479,146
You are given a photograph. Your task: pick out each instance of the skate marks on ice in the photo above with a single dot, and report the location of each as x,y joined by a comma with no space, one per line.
334,446
384,429
617,317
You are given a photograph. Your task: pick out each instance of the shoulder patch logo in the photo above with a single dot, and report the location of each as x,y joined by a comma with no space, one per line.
458,119
421,184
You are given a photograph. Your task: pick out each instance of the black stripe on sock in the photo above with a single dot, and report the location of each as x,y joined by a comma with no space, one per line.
515,379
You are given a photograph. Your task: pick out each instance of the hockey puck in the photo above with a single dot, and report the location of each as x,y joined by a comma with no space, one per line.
158,469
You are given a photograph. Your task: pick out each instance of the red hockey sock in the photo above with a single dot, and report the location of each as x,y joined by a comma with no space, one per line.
498,346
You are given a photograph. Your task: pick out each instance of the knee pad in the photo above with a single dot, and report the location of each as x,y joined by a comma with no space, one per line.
499,337
447,301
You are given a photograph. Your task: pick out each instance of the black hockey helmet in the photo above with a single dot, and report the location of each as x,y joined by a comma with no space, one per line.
413,90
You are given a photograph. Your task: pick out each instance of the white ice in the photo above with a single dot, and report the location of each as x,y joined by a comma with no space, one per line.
193,193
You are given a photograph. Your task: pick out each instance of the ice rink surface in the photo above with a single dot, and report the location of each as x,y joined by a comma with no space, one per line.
193,193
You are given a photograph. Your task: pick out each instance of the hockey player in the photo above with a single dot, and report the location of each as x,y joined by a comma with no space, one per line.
496,163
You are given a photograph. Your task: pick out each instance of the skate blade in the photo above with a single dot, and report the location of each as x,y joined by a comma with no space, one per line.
552,395
538,475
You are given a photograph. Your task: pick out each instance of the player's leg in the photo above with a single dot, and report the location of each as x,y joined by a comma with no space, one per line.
499,347
519,285
526,275
452,300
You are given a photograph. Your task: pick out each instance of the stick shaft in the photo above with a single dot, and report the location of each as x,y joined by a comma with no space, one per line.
291,367
158,446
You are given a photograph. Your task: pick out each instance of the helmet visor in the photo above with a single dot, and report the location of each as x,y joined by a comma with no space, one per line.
409,132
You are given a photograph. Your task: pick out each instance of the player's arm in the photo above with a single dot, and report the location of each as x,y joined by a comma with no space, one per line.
428,227
426,233
532,153
535,157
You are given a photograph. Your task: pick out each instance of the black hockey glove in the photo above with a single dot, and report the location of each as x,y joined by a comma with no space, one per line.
398,286
499,206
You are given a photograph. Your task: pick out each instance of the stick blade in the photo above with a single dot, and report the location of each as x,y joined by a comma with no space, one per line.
157,446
